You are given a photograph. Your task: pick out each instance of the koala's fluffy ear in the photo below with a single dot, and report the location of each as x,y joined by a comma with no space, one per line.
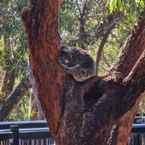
62,46
65,49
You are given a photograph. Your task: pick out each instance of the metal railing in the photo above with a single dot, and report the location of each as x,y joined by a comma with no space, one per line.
37,133
25,133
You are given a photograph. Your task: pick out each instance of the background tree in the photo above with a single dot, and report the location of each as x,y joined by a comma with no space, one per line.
13,55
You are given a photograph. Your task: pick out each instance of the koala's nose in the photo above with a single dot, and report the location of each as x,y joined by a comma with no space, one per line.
66,61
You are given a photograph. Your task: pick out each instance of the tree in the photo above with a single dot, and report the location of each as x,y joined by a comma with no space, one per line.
13,64
82,113
95,38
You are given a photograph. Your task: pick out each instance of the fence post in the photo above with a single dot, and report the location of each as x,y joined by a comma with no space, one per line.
137,139
15,134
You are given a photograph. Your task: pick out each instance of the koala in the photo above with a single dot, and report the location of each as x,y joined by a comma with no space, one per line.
77,63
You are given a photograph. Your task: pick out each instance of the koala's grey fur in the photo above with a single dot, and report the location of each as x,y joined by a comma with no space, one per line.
77,63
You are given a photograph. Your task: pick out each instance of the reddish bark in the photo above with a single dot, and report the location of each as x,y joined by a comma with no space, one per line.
124,66
124,125
79,113
41,21
131,50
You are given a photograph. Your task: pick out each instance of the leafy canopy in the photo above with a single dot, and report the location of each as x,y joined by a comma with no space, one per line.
122,5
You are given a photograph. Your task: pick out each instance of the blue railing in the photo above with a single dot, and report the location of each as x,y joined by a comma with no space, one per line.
37,133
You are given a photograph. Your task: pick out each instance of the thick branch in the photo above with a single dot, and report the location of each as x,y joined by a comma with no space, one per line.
124,125
113,103
134,46
94,106
138,71
131,52
41,22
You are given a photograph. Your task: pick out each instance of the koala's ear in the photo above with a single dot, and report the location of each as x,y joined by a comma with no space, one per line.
65,49
62,46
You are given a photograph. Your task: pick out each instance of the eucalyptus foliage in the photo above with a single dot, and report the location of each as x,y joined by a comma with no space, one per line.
122,5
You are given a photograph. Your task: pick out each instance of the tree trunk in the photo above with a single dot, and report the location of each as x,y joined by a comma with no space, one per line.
124,66
85,113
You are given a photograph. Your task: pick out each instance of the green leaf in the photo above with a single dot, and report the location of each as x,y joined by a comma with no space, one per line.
141,3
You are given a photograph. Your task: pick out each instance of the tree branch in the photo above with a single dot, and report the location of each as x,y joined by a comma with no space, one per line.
14,98
98,31
138,71
78,6
134,46
100,50
86,6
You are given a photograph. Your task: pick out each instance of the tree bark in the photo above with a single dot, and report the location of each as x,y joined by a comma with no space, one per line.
41,22
83,113
124,66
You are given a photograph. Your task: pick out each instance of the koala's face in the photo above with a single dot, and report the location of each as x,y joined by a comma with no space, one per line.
70,57
67,56
77,63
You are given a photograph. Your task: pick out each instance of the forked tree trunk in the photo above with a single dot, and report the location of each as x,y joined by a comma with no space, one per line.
124,66
91,112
